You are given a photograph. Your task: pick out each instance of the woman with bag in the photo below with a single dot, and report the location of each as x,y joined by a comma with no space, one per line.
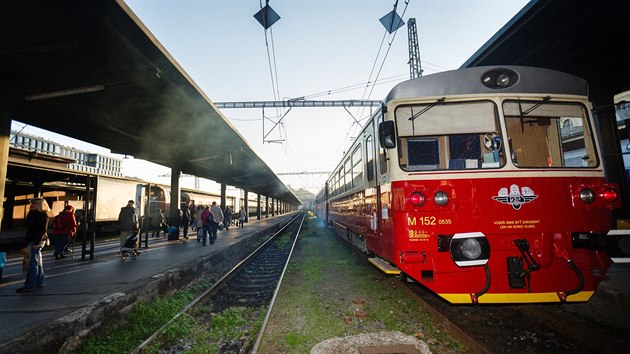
36,237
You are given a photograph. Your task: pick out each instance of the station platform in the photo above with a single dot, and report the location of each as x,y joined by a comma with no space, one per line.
77,294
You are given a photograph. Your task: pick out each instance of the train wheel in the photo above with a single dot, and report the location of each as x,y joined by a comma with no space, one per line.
403,277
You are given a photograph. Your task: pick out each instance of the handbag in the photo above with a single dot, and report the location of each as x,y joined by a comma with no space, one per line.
44,242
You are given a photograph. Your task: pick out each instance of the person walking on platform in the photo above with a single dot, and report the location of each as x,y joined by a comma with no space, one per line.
197,223
241,216
217,218
157,221
36,226
64,227
185,220
228,217
206,221
128,220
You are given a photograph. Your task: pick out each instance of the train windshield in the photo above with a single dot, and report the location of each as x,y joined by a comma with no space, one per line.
454,135
549,134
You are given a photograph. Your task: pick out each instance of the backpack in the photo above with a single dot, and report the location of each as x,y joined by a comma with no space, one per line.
57,224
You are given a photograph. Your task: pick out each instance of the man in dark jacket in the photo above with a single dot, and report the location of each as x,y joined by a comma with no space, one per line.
128,219
36,225
185,219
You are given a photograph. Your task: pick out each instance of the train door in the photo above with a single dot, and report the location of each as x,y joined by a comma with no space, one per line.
371,204
386,139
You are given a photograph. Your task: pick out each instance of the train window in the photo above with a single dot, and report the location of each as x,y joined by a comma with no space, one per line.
423,154
435,136
357,167
445,119
348,175
549,134
340,182
369,157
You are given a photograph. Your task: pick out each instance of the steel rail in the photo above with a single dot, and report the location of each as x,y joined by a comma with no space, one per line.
214,289
275,293
456,331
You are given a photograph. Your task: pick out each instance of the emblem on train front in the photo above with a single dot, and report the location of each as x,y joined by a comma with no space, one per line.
516,198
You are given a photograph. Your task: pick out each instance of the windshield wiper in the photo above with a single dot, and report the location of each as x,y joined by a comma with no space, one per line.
530,110
438,101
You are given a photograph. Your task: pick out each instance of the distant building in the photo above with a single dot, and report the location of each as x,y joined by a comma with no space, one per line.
85,161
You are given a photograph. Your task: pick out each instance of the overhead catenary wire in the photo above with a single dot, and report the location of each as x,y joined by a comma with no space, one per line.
273,69
389,46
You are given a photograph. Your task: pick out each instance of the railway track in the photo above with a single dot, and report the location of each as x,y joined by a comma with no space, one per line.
531,328
251,284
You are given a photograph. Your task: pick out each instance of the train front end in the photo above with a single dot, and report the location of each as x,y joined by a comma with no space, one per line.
499,198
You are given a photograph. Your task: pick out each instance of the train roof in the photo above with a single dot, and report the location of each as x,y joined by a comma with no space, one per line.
468,81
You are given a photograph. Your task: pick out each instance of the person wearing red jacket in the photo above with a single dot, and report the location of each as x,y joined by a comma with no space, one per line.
206,217
64,227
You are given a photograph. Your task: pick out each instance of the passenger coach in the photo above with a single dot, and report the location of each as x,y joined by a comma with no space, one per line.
485,185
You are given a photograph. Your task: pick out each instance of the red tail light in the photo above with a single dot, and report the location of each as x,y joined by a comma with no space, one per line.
610,195
596,195
417,199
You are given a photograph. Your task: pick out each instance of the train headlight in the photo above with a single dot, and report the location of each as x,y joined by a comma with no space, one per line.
499,78
417,199
587,196
470,249
440,198
617,245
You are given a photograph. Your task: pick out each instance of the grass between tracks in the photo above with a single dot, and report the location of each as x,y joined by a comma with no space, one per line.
315,300
142,321
202,331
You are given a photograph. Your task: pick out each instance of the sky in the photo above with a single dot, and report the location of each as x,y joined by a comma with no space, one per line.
320,50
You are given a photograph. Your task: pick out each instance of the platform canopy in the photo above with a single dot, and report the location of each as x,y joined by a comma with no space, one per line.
588,39
92,71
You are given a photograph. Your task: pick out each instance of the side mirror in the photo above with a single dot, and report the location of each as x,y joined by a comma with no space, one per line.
386,135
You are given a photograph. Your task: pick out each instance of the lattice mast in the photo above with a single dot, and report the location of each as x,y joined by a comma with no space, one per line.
415,68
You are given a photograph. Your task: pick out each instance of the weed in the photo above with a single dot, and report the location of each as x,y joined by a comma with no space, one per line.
140,323
294,339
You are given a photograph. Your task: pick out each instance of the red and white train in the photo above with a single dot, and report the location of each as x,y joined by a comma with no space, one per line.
484,184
